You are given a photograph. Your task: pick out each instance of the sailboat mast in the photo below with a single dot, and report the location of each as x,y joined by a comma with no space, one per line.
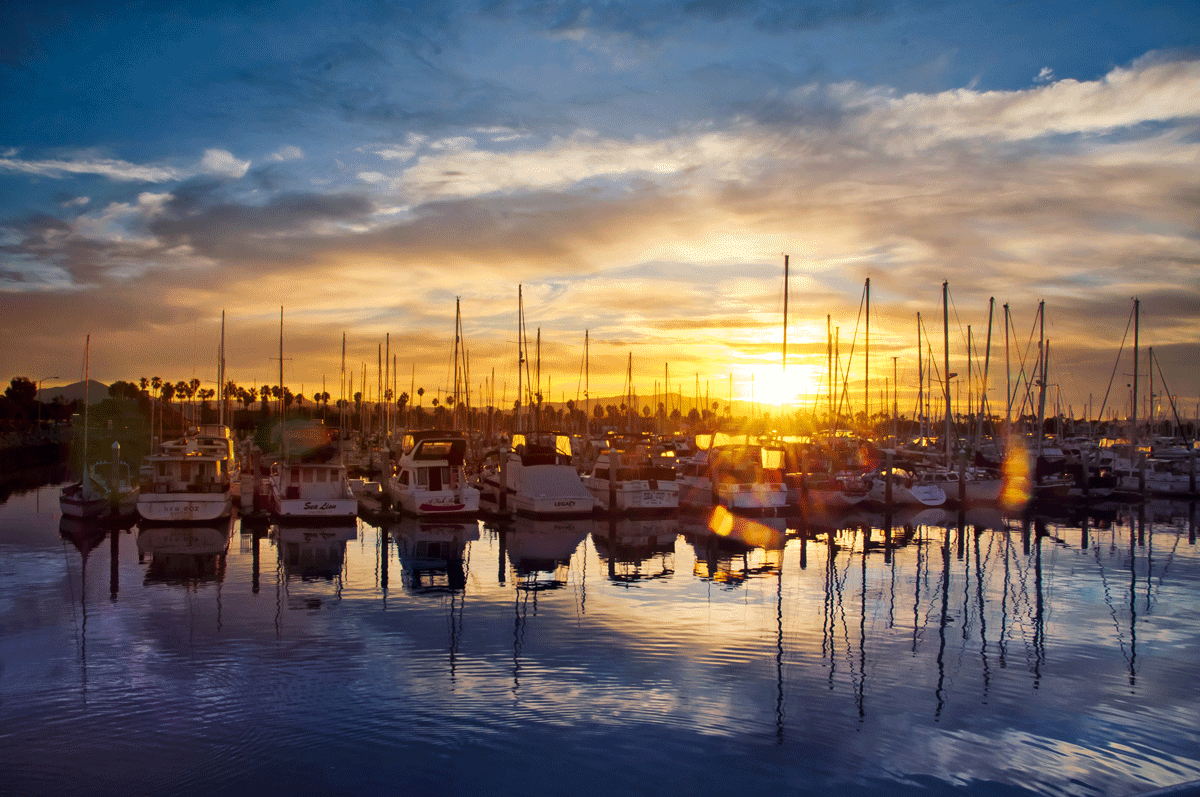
946,360
987,361
587,397
867,359
1137,309
920,382
221,374
87,378
282,391
520,353
457,326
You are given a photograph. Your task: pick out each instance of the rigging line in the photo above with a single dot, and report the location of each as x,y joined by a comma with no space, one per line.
1156,362
1116,364
844,396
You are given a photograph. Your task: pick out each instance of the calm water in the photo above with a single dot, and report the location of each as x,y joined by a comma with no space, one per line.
598,658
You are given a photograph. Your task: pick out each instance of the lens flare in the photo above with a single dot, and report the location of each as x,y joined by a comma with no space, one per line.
1018,485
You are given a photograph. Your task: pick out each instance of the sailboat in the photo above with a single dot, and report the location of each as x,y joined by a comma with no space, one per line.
105,488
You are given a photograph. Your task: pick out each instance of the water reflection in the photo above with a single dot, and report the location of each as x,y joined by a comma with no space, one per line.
732,548
191,555
433,555
636,549
540,551
310,565
1048,652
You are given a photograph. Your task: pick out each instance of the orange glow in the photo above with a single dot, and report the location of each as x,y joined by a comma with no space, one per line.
1018,484
770,385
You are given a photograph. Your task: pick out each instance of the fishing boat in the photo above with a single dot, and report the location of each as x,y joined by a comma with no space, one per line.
430,478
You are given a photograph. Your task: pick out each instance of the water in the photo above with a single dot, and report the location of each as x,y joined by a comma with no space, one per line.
595,658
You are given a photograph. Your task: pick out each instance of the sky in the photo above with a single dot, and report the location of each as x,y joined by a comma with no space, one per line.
640,169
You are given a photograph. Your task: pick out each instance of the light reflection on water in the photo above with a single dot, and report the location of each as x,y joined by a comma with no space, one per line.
1055,655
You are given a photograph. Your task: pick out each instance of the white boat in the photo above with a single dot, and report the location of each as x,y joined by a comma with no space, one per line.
535,480
629,481
188,480
430,479
312,491
979,486
907,490
740,476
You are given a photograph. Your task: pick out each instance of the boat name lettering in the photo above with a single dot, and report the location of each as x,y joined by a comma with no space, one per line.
318,507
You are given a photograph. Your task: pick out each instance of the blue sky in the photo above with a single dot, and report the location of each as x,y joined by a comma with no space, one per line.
639,167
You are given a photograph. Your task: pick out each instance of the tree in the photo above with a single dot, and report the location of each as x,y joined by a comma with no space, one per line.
21,390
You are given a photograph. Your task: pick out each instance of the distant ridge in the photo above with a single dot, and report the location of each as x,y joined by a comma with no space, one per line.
97,391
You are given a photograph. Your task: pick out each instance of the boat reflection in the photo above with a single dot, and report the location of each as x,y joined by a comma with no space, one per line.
539,551
433,554
732,548
312,553
187,555
636,549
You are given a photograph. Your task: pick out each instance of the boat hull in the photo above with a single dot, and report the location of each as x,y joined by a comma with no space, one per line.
437,503
634,497
184,507
331,509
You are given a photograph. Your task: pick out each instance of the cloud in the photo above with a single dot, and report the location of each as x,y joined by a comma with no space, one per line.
1123,98
288,153
110,168
221,163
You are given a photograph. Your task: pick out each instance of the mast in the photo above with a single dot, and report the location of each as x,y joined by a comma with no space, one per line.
920,382
987,361
587,397
1007,375
387,381
457,326
282,390
87,378
1137,309
946,355
221,373
520,353
829,365
867,360
342,397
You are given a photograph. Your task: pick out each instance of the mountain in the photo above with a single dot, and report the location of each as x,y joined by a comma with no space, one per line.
97,391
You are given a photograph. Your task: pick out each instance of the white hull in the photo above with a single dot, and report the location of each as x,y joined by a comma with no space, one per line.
634,496
435,503
752,497
184,507
317,508
902,495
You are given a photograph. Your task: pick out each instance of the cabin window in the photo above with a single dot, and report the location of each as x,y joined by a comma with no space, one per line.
322,475
601,473
422,477
404,477
160,469
435,478
295,475
308,476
